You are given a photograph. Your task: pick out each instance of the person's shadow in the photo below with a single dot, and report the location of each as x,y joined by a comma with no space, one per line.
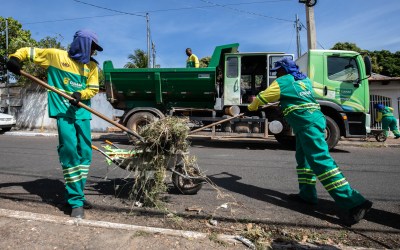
50,191
325,210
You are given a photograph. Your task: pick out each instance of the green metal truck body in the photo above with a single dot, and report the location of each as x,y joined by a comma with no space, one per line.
230,82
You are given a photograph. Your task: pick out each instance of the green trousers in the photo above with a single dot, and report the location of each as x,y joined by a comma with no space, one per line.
390,122
75,154
314,162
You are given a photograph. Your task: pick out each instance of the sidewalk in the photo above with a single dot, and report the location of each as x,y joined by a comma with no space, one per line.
26,230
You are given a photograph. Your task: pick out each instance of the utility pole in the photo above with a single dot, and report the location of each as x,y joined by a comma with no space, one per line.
298,28
153,49
311,35
148,40
8,74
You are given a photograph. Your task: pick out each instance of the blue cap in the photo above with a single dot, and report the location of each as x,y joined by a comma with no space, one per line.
291,68
379,106
286,63
91,35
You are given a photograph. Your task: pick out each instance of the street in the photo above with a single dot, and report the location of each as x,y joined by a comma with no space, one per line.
251,181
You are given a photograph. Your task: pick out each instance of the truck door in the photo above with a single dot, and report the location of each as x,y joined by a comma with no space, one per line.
340,83
231,95
272,58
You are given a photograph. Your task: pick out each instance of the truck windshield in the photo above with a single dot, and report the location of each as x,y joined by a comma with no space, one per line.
343,69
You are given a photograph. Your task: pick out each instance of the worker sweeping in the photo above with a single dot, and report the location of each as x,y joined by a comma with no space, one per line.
385,114
75,73
294,91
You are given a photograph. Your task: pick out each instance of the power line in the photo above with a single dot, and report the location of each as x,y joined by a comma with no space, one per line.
72,19
317,41
246,12
104,8
162,10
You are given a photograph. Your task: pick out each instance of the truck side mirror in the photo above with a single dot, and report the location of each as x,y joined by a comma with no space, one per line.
368,65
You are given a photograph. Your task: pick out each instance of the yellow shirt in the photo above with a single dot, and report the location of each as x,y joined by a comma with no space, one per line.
192,61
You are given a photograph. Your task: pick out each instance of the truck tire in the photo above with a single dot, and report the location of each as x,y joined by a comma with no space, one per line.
139,120
332,133
332,136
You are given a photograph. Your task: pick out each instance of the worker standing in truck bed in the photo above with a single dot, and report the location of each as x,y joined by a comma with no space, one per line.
192,60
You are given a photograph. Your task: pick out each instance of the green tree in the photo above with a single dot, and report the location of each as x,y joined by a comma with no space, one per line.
383,62
17,37
137,60
346,46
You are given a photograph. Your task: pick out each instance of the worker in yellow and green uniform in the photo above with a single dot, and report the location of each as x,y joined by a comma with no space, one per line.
294,91
385,114
192,60
73,72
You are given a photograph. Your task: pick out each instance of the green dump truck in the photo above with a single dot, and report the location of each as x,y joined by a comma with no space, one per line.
229,84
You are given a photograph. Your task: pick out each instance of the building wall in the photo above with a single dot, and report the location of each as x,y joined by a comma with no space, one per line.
33,115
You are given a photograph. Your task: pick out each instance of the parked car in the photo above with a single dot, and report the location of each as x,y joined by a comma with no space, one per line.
6,122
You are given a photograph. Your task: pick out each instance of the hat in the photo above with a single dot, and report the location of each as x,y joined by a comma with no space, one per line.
379,106
285,62
92,36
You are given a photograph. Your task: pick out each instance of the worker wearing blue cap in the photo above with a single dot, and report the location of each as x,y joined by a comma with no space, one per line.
294,91
74,72
385,114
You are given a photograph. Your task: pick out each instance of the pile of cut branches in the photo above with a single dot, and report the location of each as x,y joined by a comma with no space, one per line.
165,146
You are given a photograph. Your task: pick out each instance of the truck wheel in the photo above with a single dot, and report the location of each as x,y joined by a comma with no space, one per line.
332,133
286,140
139,120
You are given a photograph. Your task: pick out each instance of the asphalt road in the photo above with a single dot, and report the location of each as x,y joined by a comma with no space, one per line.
251,182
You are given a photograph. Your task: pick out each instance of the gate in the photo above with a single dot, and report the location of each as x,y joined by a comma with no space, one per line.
375,99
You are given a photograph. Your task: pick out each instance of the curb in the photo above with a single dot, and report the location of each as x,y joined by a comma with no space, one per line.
110,225
233,239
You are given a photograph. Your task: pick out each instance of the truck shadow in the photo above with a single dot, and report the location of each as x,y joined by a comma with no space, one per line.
325,210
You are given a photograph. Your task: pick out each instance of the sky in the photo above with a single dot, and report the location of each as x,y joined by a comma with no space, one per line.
257,25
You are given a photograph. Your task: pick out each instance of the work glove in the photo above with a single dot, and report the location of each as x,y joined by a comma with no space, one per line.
14,65
77,98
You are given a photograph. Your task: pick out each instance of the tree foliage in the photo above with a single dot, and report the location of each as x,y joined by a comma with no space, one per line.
384,62
17,37
137,60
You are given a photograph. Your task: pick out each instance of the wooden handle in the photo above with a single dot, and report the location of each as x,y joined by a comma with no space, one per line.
80,104
215,123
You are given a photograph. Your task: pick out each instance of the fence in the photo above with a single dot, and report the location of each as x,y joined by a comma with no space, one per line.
375,99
